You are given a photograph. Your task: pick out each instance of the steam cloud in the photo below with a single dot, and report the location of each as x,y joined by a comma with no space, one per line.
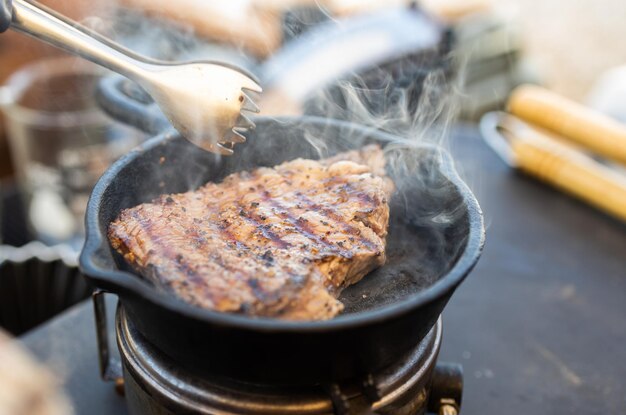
412,98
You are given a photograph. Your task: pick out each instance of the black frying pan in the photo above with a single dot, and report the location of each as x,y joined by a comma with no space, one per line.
435,238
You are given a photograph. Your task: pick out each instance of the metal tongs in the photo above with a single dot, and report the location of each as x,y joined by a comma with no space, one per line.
204,101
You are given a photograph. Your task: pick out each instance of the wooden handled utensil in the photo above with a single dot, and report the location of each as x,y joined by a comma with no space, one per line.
571,120
552,160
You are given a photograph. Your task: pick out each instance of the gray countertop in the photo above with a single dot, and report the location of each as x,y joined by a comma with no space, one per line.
539,325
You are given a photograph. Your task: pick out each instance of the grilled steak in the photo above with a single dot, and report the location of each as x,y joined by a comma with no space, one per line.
277,242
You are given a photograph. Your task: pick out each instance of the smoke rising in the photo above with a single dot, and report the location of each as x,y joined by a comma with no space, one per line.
409,96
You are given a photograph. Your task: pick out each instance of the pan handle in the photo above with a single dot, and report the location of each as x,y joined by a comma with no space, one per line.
127,102
110,367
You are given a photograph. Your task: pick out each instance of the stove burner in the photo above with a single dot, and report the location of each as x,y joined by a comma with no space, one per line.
154,384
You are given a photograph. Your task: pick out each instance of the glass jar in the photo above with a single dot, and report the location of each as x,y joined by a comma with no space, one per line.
61,142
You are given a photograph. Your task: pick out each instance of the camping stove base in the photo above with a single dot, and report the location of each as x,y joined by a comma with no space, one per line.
154,384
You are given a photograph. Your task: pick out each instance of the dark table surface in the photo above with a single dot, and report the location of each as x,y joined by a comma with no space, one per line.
539,326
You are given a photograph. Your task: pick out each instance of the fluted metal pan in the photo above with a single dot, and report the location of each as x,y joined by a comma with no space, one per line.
36,283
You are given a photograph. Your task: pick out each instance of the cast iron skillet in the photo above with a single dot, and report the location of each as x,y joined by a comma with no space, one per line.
435,238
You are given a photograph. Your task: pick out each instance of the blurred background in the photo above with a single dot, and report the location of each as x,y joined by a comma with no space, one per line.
445,65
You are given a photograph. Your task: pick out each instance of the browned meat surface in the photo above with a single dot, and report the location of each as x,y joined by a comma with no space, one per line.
277,242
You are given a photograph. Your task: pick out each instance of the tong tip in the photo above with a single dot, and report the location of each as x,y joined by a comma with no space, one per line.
247,103
245,123
220,148
235,136
252,87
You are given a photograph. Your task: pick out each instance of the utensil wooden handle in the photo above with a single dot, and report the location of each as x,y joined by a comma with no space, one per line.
584,126
570,170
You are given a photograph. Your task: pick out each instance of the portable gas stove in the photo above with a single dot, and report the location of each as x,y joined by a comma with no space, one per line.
153,383
379,356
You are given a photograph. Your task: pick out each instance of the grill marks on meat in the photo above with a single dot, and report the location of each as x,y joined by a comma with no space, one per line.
276,242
